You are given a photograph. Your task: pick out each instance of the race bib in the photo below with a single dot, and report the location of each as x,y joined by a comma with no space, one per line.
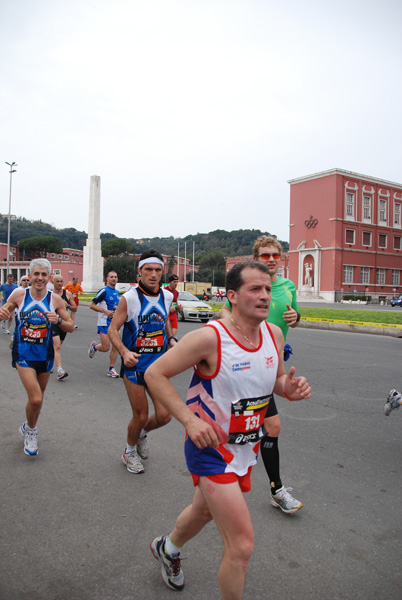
247,420
34,334
149,342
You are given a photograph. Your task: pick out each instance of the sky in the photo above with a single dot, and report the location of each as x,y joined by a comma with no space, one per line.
195,113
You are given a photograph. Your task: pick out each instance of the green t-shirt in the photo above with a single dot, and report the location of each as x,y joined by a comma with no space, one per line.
283,293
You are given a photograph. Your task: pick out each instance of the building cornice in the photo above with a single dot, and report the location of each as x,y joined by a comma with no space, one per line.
345,174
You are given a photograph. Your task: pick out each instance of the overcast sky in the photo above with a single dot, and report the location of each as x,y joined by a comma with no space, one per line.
195,113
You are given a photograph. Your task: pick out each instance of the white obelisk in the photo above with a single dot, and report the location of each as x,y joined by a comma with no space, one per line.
93,261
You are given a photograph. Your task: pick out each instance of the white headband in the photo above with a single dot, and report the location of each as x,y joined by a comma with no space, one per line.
151,259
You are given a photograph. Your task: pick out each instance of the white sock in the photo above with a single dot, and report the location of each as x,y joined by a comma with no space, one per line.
170,548
143,434
130,448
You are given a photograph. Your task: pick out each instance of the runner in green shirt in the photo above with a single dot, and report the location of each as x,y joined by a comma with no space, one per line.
284,312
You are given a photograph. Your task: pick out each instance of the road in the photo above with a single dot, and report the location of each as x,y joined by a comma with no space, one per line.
76,526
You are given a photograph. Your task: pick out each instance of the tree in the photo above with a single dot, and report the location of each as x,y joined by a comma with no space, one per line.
171,263
117,247
125,267
41,243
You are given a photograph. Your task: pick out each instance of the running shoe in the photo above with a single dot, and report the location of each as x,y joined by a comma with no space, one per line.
62,374
30,440
7,331
142,447
285,501
171,571
112,373
392,402
92,350
132,462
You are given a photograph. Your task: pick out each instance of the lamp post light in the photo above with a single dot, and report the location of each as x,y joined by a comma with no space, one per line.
12,170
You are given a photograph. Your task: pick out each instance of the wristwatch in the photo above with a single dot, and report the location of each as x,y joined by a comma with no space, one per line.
59,320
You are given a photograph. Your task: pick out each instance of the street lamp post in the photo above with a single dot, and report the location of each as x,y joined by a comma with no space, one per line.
12,170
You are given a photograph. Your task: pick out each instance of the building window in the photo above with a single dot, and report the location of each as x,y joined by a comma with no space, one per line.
396,277
367,209
349,236
57,271
13,250
382,217
52,255
65,257
366,238
381,276
382,240
347,274
350,205
397,242
365,275
397,214
59,256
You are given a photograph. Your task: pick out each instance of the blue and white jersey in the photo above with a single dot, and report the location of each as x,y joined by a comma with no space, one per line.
7,289
144,330
108,298
33,336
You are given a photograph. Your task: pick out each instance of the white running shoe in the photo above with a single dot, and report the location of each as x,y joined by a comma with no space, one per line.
92,350
112,373
393,401
7,331
30,440
171,571
132,462
285,501
142,447
62,374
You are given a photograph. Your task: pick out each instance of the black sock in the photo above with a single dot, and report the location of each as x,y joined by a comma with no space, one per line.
270,456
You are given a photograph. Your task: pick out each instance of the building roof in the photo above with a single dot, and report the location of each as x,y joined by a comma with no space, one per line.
346,174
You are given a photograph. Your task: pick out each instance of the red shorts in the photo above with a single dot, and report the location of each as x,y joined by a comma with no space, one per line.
222,478
173,320
76,300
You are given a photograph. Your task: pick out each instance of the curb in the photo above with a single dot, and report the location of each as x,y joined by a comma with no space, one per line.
373,329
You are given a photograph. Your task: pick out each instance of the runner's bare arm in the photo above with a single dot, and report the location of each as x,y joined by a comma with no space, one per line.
130,359
60,310
197,347
13,301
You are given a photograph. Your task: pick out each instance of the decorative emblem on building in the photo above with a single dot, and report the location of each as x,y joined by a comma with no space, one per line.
311,222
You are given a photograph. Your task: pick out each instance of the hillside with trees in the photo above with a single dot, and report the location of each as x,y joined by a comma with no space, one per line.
210,249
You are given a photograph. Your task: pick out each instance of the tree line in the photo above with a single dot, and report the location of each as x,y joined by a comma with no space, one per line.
210,249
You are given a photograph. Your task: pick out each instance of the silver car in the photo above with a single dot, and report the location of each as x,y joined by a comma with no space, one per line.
193,309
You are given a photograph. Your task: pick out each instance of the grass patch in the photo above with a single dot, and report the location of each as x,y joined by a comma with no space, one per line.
367,316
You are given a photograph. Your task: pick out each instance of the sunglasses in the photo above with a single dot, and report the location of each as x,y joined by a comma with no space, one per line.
267,255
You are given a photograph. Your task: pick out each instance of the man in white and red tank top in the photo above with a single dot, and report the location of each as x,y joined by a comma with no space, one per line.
238,363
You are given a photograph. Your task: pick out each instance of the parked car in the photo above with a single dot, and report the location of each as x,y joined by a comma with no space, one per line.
397,301
193,309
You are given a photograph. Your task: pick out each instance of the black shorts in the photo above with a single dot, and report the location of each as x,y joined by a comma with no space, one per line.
271,410
58,331
40,366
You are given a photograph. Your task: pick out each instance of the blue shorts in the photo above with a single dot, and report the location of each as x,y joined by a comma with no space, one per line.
132,375
40,366
103,329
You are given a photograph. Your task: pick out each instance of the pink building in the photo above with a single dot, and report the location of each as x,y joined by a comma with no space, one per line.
68,263
345,235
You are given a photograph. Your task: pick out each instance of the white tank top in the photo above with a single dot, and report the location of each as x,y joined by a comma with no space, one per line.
234,401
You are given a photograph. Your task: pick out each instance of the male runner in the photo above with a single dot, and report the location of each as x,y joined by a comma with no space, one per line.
75,290
283,312
24,282
238,363
6,289
105,304
173,281
58,334
37,310
146,336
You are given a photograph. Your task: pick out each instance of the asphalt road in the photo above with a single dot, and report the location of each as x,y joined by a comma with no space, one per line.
75,525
